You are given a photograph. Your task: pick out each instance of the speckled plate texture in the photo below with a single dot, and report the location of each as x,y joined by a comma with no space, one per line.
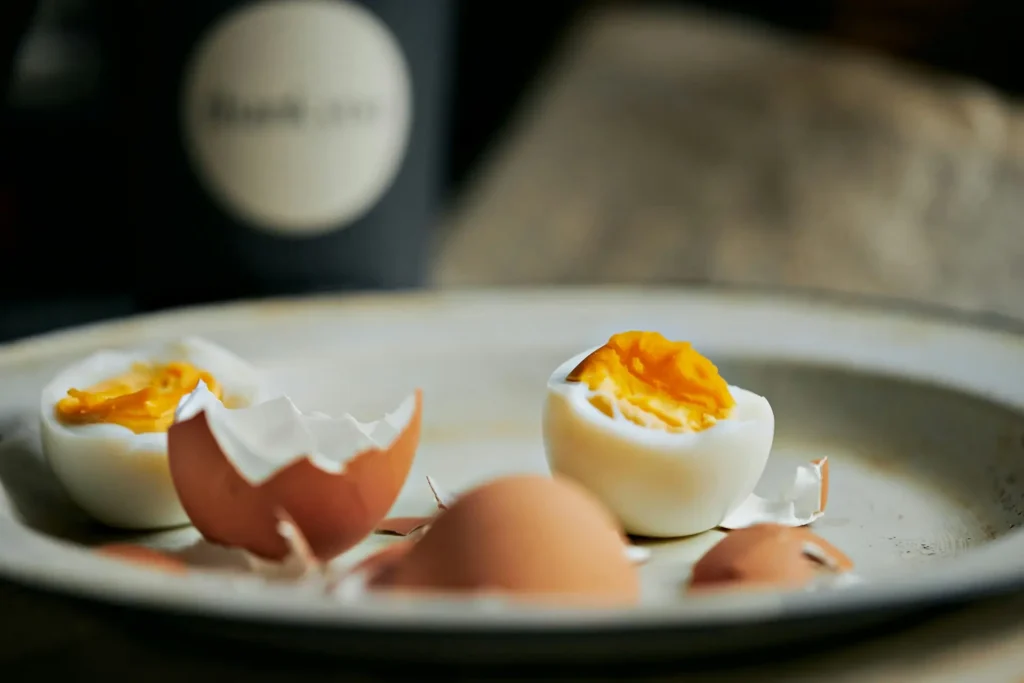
921,415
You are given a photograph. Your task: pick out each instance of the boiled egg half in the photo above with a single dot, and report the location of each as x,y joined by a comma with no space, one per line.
104,423
650,427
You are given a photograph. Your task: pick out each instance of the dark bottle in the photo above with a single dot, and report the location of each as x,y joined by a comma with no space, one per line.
55,133
15,18
281,146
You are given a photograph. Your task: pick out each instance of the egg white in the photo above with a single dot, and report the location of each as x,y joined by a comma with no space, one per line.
660,484
121,478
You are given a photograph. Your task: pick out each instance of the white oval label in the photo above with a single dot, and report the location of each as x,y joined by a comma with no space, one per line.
296,113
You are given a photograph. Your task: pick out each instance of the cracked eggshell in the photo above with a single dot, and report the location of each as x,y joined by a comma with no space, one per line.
801,503
143,556
407,526
118,477
533,537
768,555
659,484
378,569
336,479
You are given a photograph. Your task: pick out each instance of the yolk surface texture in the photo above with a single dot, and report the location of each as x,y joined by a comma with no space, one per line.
143,399
655,383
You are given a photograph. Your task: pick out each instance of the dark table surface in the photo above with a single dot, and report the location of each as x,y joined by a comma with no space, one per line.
46,636
29,317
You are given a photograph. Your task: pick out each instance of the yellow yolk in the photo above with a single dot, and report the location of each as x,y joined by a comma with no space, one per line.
655,383
143,399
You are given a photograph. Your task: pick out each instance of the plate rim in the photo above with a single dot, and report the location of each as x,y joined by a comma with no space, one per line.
928,311
974,580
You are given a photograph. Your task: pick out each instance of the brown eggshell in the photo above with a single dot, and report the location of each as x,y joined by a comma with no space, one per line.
379,567
402,526
141,555
406,526
823,500
333,512
765,555
839,561
533,536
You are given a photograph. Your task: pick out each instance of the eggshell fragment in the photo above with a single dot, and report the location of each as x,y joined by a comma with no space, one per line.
406,526
637,554
382,560
822,465
141,555
298,563
835,581
530,536
402,526
373,571
235,471
771,555
443,499
802,502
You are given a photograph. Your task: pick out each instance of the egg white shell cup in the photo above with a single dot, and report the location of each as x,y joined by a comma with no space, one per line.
121,478
262,439
659,484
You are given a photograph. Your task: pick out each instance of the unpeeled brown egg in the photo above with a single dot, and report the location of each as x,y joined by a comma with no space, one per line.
237,472
533,537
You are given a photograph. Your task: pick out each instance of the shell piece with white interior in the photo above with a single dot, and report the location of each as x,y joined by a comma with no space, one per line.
650,427
104,422
237,471
407,526
299,567
801,503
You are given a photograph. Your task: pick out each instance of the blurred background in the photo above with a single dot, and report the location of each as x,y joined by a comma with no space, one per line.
156,154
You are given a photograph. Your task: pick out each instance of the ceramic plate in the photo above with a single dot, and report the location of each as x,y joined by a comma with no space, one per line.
921,417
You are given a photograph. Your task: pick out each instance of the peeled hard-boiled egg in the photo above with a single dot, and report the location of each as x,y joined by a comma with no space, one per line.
104,424
650,427
237,472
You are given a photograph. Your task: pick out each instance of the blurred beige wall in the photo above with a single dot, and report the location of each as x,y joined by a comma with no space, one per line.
668,145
